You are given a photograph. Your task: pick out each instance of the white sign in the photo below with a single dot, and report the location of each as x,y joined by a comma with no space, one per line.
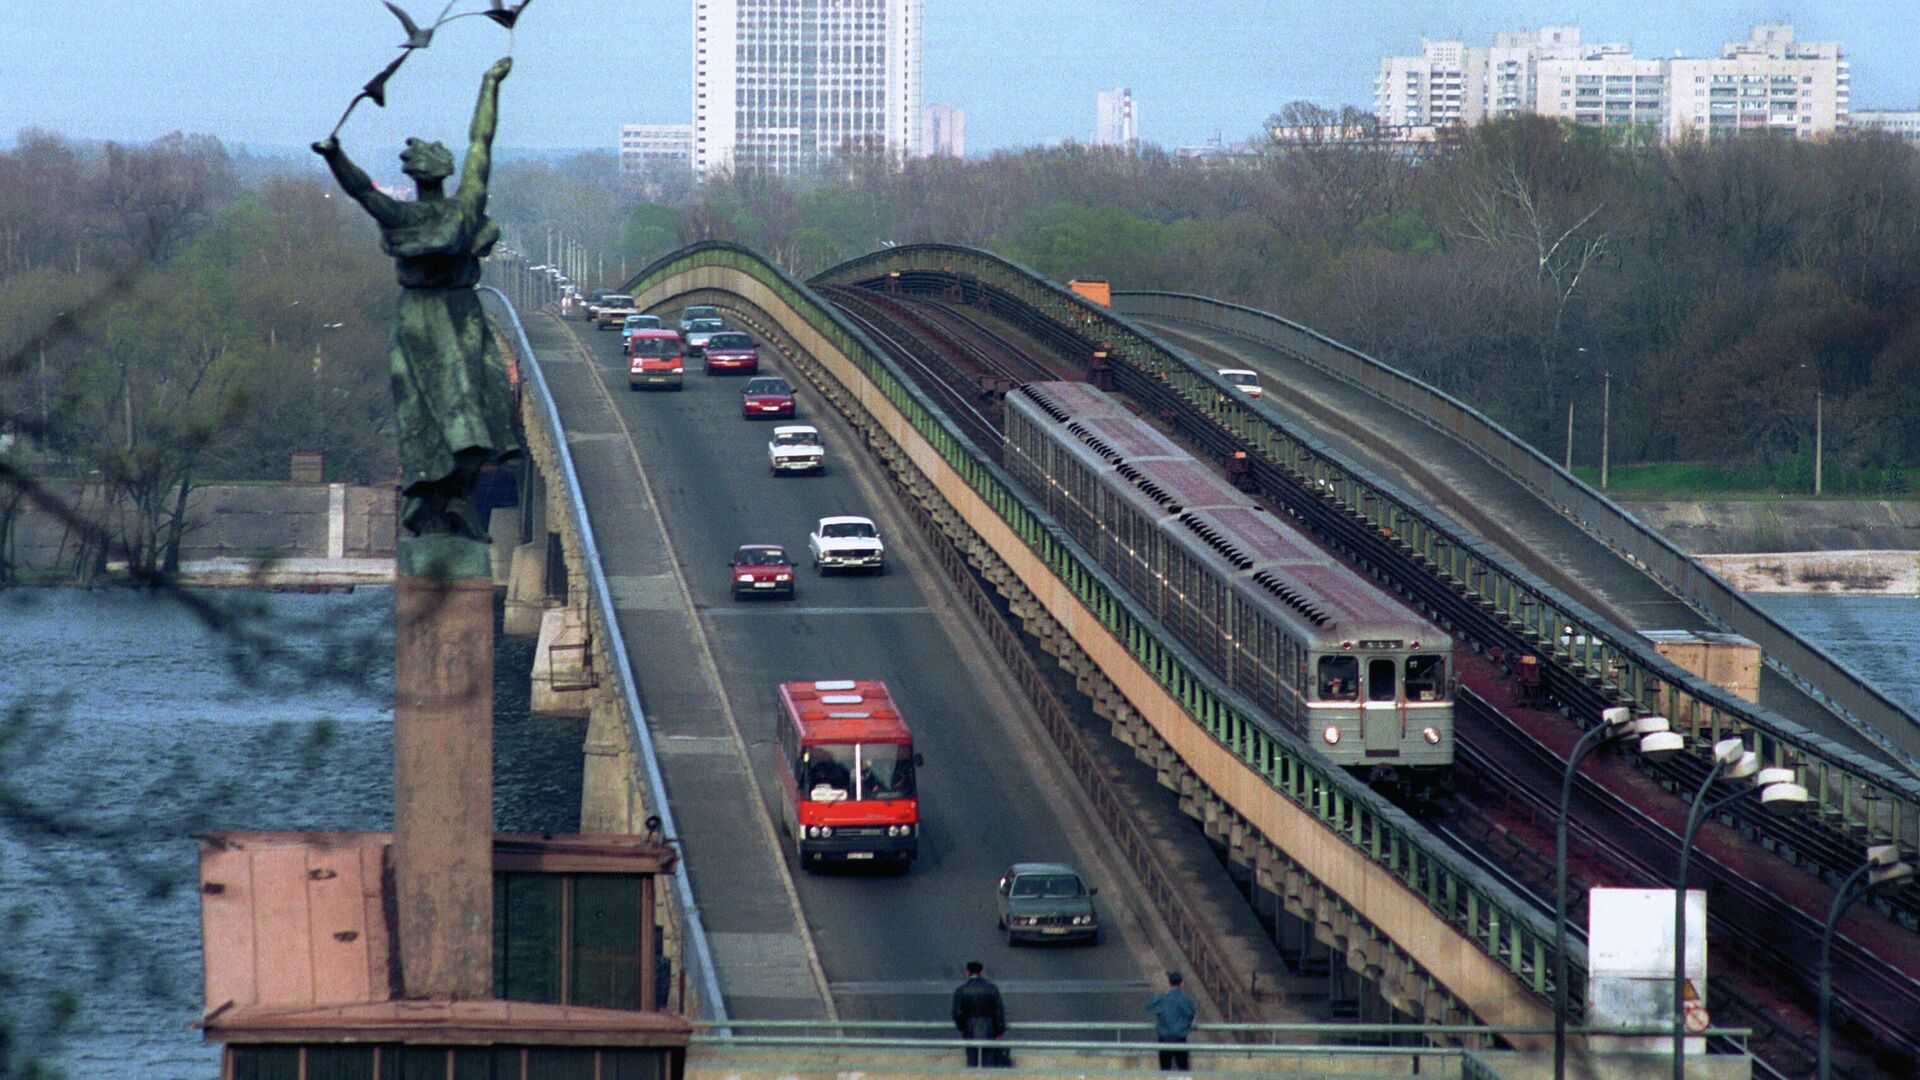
1630,952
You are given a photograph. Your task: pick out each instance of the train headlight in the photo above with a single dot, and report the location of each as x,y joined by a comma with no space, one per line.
1332,735
1431,734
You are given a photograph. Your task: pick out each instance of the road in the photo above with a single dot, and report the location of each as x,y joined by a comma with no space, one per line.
992,790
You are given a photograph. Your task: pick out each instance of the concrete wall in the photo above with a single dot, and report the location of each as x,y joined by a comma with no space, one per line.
1776,525
232,521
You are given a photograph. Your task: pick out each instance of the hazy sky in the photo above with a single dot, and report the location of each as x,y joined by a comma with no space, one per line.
273,74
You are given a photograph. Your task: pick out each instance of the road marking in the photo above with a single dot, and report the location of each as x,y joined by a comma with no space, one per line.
886,987
789,609
575,438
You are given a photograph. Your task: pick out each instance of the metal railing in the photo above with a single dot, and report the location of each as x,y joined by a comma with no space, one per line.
1865,705
1859,799
697,955
1501,925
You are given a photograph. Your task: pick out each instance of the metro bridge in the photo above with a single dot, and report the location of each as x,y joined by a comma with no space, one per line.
1020,665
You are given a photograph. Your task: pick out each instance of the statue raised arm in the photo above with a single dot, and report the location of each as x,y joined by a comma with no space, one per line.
451,403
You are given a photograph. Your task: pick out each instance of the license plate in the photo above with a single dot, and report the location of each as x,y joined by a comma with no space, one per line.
1053,929
859,854
763,584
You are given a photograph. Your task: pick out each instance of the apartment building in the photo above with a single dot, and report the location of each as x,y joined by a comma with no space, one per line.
1899,123
1115,120
783,85
1769,82
655,148
946,131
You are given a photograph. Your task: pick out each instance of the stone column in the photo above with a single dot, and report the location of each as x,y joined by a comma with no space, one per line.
443,767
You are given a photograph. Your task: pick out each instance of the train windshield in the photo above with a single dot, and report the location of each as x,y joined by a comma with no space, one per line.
1425,675
1339,678
1380,678
838,772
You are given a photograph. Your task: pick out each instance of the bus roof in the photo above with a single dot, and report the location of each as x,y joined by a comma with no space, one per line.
843,711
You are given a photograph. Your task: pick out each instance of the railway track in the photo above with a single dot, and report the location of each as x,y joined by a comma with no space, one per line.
953,349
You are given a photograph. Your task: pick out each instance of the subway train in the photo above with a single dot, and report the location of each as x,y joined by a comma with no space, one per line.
1365,680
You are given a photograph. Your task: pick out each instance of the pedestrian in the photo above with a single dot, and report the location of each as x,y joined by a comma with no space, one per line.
1172,1013
978,1014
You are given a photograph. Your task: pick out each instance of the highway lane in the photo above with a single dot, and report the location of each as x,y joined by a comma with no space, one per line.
890,946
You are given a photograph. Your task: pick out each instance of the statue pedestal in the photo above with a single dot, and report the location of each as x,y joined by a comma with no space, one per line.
443,767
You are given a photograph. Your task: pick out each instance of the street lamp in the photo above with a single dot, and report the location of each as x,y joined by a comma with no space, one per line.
1616,725
1883,867
1778,794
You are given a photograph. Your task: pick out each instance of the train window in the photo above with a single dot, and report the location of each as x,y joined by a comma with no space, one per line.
1382,674
1424,674
1339,678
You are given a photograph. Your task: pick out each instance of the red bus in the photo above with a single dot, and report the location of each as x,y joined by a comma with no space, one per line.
845,761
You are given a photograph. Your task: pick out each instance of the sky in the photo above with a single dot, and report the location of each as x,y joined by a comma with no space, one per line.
273,75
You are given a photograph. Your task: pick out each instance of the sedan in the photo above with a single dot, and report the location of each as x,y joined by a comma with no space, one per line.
1247,382
796,448
1046,902
847,543
761,570
732,351
699,332
767,395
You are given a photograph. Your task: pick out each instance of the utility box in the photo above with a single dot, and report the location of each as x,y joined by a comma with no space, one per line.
309,467
1095,290
1728,661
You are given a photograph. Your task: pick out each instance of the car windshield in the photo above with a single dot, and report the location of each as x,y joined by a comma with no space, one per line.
886,771
649,321
845,529
767,386
696,313
1047,886
707,326
655,346
1239,378
761,557
730,341
797,438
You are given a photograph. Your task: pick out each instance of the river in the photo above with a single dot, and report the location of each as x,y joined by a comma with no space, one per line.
132,723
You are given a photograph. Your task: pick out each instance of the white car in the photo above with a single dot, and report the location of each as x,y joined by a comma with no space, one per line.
847,543
796,448
1247,382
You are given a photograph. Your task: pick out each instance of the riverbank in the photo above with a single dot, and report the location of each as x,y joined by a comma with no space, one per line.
1864,573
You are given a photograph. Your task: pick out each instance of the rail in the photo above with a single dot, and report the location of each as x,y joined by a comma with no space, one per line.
1860,800
1864,705
1481,910
698,956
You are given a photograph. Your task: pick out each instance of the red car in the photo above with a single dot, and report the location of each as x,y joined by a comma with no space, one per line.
761,569
732,351
767,395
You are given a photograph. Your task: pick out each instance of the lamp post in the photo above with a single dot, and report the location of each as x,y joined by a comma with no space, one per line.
1883,867
1606,423
1616,725
1580,354
1778,793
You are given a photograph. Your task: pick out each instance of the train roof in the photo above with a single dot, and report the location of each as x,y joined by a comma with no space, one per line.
1120,437
1068,400
1289,570
845,710
1178,484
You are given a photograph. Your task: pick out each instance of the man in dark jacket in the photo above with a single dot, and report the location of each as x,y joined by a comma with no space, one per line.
977,1013
1172,1020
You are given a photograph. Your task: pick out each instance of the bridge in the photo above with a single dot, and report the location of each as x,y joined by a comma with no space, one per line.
1059,721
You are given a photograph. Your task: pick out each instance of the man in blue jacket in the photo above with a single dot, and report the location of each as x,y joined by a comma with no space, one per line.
1172,1019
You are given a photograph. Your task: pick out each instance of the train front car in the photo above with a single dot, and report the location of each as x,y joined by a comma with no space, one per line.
1361,678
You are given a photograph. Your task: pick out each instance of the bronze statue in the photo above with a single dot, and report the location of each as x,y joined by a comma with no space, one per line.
449,381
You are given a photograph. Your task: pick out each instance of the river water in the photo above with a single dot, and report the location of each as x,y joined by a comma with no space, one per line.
130,723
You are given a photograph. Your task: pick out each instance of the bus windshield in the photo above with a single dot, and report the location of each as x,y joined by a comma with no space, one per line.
838,772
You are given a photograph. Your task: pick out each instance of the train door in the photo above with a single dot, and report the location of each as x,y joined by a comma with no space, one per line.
1383,718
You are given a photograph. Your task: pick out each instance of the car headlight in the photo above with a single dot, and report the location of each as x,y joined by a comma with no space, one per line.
1025,920
783,577
744,577
1432,735
826,830
1083,920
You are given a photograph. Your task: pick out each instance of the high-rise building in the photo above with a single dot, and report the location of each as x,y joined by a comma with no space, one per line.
1768,82
946,131
784,85
655,148
1116,122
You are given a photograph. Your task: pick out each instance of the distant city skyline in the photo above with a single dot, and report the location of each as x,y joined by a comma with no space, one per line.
273,77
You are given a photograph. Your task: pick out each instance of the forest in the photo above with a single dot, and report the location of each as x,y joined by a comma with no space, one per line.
175,313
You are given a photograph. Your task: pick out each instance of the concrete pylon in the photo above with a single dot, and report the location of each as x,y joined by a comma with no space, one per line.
443,767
